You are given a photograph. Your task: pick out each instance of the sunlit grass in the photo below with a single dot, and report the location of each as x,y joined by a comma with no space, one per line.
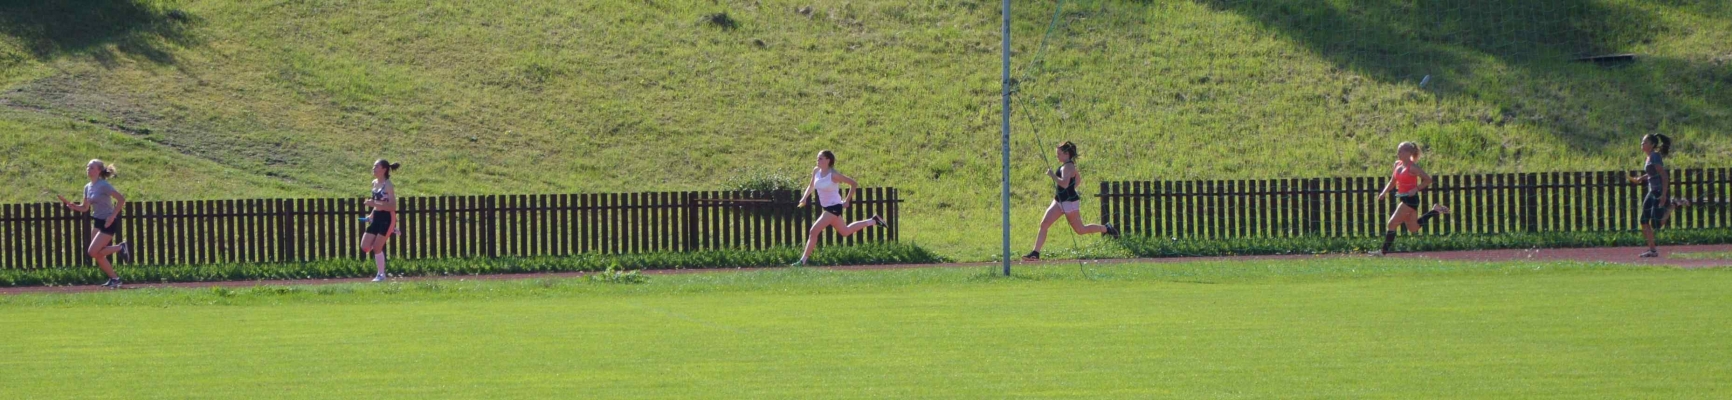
1329,327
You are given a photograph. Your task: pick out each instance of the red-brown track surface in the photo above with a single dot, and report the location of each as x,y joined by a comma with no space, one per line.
1621,255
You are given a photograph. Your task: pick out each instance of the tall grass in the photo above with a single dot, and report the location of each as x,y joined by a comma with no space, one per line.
257,99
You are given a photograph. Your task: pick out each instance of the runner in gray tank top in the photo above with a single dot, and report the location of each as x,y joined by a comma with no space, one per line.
1654,206
104,205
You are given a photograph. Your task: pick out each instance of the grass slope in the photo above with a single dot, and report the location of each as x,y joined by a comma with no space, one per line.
1327,328
274,98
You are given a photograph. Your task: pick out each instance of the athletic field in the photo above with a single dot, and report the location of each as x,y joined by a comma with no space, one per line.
1321,328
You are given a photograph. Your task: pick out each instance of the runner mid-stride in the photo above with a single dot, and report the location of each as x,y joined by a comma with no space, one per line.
103,203
1654,206
1407,181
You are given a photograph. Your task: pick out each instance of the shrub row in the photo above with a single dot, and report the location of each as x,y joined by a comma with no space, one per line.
327,269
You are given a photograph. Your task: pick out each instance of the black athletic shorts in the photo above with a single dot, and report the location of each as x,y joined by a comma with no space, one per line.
379,223
835,209
1411,201
110,230
1653,210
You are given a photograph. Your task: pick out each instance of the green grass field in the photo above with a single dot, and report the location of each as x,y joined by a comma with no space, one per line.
200,99
1325,328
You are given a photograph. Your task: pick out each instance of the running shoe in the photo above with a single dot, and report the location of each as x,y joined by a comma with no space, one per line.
379,278
800,263
1032,256
1112,231
1375,253
125,251
879,220
1440,209
1650,254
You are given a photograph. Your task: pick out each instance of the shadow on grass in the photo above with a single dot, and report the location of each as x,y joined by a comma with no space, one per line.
103,29
1516,54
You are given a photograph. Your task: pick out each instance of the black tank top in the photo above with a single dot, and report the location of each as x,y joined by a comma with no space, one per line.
1067,194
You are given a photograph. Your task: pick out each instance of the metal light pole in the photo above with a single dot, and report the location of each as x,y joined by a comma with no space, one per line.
1004,81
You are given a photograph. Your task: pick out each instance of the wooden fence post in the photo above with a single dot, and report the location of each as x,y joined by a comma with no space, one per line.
688,241
1106,197
489,226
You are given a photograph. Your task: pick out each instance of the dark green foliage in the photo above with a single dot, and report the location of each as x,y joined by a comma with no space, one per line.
1166,247
760,180
621,265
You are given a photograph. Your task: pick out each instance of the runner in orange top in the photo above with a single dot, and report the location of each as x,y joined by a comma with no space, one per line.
1407,181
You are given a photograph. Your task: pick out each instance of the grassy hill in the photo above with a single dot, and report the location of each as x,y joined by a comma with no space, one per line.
225,98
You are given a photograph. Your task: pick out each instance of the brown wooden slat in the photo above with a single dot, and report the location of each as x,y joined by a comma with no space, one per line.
37,232
48,237
611,236
407,243
232,238
8,237
608,236
64,240
316,232
518,226
1717,195
567,233
247,227
173,250
449,227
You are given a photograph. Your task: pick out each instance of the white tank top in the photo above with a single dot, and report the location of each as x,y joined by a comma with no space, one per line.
829,193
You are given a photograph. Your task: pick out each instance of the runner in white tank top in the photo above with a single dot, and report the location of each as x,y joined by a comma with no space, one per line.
828,183
829,193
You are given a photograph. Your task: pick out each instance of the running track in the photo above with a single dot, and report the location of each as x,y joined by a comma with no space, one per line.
1621,255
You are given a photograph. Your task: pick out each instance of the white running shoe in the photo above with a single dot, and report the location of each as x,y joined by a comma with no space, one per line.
1441,209
379,278
1650,254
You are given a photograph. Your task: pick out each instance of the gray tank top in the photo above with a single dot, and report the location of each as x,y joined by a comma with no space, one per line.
1656,183
99,195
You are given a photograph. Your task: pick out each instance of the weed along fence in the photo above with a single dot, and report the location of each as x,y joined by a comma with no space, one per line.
290,230
1347,207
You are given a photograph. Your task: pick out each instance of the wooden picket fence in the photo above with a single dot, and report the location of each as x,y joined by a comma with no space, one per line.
45,235
1347,207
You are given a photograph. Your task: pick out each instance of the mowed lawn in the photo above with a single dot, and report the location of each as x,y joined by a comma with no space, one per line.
1330,327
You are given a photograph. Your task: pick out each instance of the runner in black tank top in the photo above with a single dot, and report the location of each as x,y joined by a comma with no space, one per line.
1066,190
1066,202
